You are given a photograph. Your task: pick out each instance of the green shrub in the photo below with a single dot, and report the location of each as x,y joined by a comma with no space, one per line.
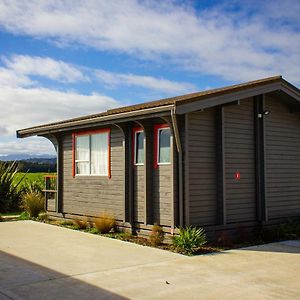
10,194
35,186
105,223
81,223
24,216
33,203
157,235
189,239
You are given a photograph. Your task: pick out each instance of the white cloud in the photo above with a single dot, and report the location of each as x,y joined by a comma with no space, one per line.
32,145
230,43
35,106
158,84
24,107
20,68
44,66
10,78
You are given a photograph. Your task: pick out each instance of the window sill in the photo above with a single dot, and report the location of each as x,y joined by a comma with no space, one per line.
88,175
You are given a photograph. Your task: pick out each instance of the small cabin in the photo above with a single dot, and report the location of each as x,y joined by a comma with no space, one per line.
217,159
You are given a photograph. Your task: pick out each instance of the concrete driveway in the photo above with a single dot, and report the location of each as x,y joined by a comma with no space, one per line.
40,261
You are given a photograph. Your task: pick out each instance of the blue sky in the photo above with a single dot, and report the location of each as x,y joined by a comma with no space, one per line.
62,59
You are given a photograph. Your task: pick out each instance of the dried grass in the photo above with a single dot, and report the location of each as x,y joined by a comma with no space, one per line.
105,223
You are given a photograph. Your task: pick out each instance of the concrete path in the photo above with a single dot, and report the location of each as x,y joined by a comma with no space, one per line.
39,261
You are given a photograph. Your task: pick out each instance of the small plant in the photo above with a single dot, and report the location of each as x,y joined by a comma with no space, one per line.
1,219
67,223
43,217
105,223
10,193
24,216
81,223
35,186
33,203
189,239
157,235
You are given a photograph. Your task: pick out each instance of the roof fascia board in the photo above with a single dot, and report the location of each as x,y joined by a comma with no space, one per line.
290,91
223,99
101,121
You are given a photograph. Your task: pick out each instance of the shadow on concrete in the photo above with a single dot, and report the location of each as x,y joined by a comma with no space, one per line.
291,246
22,279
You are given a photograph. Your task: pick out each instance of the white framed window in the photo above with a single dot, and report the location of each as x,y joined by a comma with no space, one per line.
91,153
163,146
139,153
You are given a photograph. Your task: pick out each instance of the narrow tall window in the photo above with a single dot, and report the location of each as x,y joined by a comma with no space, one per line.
163,142
91,153
139,147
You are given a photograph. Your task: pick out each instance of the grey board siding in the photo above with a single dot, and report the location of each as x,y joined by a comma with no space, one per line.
51,204
240,157
162,195
92,195
139,195
201,154
282,160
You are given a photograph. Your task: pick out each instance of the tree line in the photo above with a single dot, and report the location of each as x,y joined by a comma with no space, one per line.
35,166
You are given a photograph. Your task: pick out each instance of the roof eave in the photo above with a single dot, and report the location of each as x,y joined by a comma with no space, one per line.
75,123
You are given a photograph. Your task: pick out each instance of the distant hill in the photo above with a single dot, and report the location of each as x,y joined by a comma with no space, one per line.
30,157
33,164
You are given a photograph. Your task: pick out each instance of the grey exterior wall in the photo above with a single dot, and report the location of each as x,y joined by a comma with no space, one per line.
139,196
240,157
282,160
162,195
282,140
92,195
201,159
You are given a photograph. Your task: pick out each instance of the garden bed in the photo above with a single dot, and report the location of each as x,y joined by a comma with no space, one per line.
128,237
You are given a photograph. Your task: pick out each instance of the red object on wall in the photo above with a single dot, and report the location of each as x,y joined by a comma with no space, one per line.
237,175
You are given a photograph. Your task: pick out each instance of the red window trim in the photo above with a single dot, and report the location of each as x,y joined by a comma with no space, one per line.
89,132
156,129
134,130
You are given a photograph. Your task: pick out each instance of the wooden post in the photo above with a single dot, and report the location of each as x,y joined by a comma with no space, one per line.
261,214
220,152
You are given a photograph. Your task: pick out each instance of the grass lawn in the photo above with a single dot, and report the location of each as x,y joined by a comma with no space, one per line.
8,214
30,177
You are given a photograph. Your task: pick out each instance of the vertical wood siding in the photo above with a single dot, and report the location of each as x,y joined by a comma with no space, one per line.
282,160
162,195
139,196
91,195
240,157
202,167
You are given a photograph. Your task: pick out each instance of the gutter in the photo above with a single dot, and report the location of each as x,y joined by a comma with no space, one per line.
67,125
180,166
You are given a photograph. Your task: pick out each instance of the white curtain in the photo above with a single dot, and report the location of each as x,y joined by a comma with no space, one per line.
164,146
99,154
139,148
82,155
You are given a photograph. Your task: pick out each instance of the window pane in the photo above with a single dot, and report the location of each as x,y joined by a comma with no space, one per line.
82,147
139,148
164,146
83,168
99,154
